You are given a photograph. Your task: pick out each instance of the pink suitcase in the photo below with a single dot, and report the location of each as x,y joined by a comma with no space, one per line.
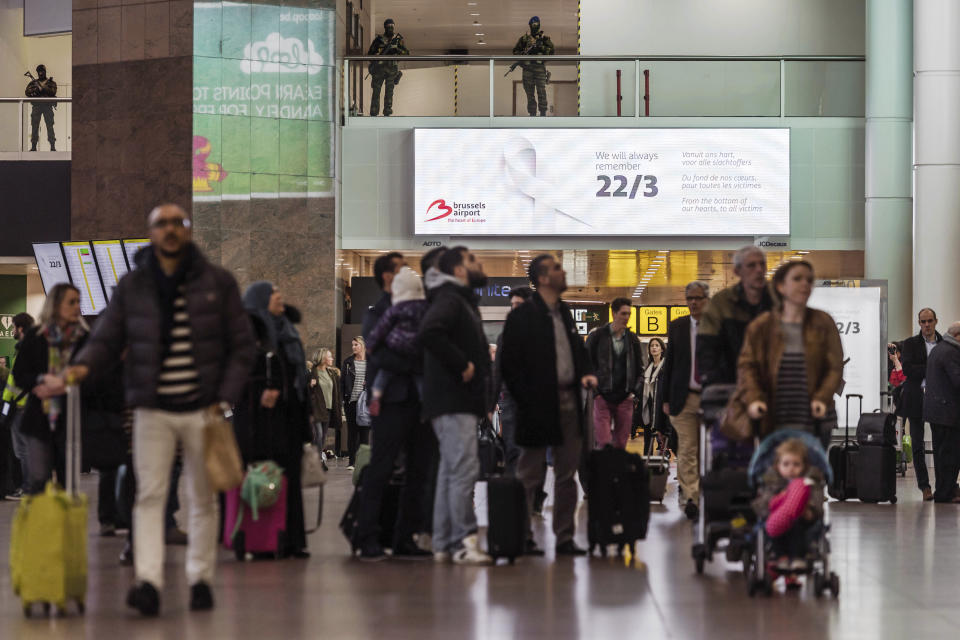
265,535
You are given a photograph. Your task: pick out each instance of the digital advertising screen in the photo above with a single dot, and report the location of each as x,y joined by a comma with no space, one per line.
83,271
662,182
50,262
263,101
112,263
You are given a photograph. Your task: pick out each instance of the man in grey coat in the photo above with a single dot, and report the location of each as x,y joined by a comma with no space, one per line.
941,408
189,351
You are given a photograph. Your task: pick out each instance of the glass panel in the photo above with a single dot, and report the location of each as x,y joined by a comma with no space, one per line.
57,114
422,89
558,81
827,89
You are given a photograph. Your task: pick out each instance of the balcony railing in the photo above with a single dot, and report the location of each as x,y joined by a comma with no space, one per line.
17,115
625,86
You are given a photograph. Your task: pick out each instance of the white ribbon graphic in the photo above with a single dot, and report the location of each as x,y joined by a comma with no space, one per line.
520,166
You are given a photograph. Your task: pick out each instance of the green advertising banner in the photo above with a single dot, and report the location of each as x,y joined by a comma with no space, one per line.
263,101
13,300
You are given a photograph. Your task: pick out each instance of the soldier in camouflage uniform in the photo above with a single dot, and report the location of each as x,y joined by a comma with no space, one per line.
388,44
41,87
535,43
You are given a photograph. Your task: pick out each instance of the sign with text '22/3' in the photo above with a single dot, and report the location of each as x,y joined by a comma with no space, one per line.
664,182
856,311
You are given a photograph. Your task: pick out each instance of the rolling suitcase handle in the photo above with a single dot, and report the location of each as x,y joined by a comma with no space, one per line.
846,432
73,453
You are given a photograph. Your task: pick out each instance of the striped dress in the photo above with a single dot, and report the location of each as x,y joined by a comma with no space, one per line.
178,388
793,397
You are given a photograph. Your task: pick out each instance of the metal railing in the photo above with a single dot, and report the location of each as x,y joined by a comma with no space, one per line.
17,141
766,86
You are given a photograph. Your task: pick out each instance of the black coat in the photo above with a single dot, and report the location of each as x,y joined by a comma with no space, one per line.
675,377
33,360
452,336
222,340
529,363
941,404
599,347
914,361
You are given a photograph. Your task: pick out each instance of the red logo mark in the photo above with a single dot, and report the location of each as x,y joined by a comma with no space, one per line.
441,205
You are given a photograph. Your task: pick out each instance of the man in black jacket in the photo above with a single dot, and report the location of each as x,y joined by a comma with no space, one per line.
681,394
190,351
616,357
544,365
941,408
914,361
455,397
505,402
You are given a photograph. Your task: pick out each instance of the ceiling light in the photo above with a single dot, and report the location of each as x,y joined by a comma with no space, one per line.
477,24
474,14
479,34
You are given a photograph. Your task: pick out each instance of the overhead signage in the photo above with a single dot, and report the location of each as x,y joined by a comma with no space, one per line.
678,312
112,263
50,262
83,272
652,321
588,317
602,182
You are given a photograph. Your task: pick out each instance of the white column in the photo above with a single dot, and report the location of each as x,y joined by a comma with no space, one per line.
888,208
936,217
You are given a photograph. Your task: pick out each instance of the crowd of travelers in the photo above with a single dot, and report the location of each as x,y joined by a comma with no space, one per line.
178,342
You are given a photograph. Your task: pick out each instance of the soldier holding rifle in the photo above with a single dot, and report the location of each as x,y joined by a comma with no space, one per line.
41,87
389,43
535,74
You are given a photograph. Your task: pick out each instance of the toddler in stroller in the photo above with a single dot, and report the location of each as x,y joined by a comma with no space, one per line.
789,470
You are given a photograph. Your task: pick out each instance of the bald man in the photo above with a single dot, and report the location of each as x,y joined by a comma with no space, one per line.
189,351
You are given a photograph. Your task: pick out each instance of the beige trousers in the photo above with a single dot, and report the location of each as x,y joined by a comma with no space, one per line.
687,424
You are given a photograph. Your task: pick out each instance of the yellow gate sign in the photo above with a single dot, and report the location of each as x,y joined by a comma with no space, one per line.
652,321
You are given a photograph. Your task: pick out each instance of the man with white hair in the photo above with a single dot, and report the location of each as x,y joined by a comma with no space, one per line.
941,408
724,323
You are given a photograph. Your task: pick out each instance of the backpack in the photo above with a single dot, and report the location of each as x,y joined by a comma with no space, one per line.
260,489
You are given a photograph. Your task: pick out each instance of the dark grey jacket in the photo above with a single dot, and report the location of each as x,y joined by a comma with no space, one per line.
600,347
223,344
941,402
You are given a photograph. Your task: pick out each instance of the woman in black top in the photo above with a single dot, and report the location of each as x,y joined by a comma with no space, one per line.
355,381
273,417
44,354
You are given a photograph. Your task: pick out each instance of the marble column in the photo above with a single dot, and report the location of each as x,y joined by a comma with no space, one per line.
889,128
132,75
936,228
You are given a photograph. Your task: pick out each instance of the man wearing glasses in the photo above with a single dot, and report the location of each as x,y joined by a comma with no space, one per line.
914,361
189,351
681,394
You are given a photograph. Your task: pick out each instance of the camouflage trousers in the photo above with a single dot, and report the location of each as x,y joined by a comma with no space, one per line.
378,80
535,77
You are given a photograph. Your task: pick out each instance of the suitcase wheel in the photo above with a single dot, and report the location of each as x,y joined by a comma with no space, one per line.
893,500
512,561
835,585
699,557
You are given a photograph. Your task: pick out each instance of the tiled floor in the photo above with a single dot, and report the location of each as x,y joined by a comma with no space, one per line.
899,567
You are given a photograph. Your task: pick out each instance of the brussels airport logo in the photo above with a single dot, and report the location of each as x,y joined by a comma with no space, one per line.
205,172
455,211
284,55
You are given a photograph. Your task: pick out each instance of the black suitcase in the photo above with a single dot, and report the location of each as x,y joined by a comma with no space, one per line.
877,474
389,507
508,519
619,506
843,460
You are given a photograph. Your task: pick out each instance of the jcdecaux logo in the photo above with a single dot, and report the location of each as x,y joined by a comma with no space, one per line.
455,211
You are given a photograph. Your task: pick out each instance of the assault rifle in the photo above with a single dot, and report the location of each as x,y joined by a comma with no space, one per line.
531,50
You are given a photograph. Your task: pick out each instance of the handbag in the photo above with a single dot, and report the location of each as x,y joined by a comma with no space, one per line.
363,410
221,456
313,473
736,424
103,438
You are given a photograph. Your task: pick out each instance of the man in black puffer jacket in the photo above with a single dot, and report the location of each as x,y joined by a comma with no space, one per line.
189,350
941,408
455,398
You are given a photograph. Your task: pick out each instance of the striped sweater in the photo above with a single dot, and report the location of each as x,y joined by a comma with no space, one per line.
178,387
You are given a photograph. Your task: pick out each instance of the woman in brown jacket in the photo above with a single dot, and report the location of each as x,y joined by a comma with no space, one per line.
792,360
326,396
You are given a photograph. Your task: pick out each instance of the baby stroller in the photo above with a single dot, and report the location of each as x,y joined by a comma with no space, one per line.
726,515
758,569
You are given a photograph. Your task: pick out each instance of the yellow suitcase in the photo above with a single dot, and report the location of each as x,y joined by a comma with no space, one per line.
48,544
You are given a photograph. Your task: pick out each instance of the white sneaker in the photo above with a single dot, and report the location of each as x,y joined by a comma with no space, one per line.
441,557
350,467
470,553
798,564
